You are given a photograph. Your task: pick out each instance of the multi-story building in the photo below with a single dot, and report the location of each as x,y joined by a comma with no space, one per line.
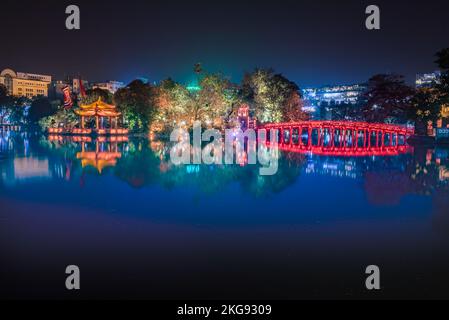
349,94
23,84
426,80
111,86
319,101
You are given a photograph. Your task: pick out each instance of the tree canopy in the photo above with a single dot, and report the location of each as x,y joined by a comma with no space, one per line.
389,99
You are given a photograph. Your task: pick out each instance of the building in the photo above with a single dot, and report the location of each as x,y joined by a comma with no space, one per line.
426,80
23,84
347,94
111,86
76,85
318,101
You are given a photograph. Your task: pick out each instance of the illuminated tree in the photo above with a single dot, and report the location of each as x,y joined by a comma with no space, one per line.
12,109
273,97
172,102
432,104
215,101
425,107
63,117
211,103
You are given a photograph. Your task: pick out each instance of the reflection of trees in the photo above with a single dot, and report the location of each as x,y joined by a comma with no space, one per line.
290,166
424,172
386,179
386,187
143,163
419,173
144,166
139,166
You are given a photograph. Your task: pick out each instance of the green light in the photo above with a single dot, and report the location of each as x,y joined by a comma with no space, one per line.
193,88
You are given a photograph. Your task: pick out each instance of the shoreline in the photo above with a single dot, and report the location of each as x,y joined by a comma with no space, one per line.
417,140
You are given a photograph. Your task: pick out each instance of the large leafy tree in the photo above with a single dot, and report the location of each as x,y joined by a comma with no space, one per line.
388,98
136,102
172,100
40,108
431,104
215,100
93,95
212,104
273,97
425,107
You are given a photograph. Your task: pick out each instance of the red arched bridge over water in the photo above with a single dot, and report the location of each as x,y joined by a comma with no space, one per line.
341,138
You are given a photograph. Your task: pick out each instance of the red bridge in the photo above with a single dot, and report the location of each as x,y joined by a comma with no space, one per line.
341,138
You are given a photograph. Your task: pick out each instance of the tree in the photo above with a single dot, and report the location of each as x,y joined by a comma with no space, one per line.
273,97
93,95
40,108
212,104
5,104
136,102
443,86
172,100
425,107
388,99
63,116
214,101
432,104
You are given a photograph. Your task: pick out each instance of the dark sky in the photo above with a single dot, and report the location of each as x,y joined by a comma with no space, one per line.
313,42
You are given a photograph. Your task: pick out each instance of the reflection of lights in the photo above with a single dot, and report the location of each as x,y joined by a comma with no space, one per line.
26,168
309,109
98,160
192,169
443,174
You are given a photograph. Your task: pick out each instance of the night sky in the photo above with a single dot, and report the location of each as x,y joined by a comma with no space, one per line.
311,42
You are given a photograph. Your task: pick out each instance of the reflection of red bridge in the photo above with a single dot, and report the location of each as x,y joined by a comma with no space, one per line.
341,138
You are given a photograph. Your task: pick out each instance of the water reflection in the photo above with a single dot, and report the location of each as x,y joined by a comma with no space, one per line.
140,163
140,209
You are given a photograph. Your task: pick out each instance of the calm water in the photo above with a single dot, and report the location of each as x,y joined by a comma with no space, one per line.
137,226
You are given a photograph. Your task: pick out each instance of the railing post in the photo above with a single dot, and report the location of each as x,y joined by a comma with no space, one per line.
291,135
309,138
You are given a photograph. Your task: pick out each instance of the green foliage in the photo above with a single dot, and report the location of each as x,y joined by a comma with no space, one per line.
272,97
62,118
93,95
40,108
136,102
212,104
12,109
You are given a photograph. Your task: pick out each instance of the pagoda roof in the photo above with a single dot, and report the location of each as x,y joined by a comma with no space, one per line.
98,108
99,160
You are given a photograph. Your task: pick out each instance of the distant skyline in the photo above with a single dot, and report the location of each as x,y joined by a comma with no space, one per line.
313,43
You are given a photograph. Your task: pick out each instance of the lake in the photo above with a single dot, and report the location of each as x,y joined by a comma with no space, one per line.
140,227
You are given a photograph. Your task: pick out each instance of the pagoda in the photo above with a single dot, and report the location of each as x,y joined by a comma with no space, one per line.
100,110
